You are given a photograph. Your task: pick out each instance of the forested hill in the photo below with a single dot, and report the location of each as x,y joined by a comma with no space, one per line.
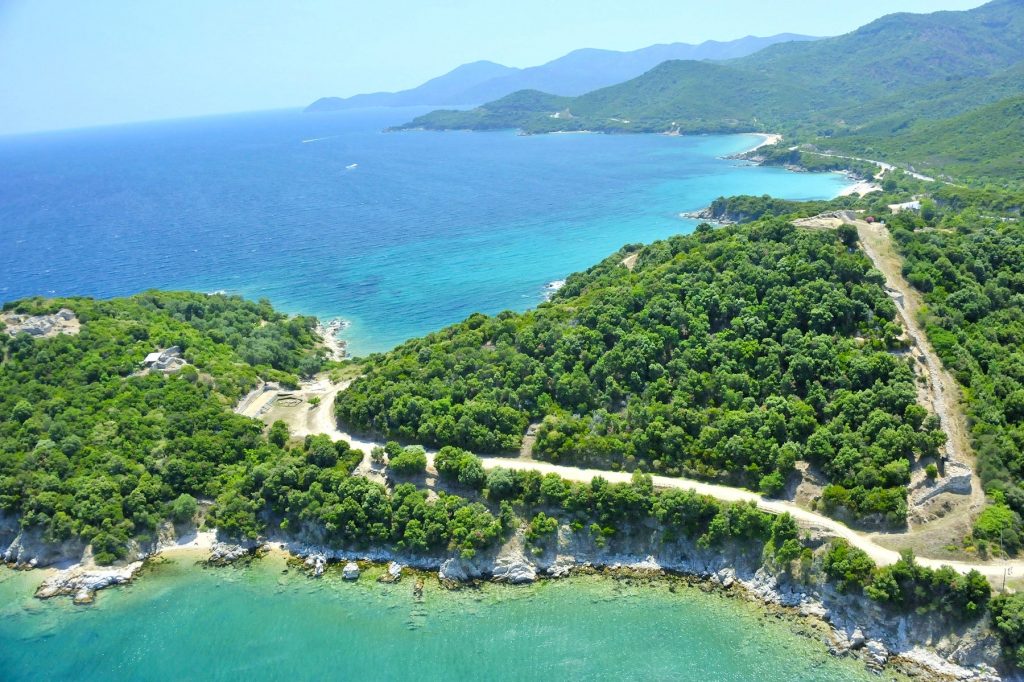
728,354
857,89
575,73
92,447
987,142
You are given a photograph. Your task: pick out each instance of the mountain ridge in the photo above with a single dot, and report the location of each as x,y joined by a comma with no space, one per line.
574,73
868,84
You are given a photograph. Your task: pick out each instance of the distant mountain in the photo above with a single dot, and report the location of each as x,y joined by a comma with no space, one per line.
446,89
883,80
578,72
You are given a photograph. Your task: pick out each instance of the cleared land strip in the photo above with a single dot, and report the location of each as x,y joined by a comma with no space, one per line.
943,390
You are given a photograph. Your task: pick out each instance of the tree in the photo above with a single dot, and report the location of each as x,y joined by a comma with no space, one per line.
848,235
184,508
410,461
279,433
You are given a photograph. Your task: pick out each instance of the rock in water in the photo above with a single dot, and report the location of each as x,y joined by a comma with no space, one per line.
393,574
82,583
515,570
453,571
223,553
351,571
316,563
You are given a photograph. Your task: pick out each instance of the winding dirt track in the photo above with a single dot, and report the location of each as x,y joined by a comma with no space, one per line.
321,420
878,246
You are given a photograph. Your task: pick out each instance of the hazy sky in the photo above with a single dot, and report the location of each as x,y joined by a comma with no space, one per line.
72,63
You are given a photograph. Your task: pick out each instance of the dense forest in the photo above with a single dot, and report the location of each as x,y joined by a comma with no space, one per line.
728,354
92,448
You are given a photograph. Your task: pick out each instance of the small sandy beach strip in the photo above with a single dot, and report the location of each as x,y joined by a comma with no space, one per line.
860,188
767,139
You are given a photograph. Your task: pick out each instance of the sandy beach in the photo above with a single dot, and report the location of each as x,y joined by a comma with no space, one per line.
861,188
767,139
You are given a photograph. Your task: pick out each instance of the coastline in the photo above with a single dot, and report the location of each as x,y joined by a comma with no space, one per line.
844,625
767,139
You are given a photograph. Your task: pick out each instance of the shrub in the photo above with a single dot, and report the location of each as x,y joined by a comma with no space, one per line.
410,461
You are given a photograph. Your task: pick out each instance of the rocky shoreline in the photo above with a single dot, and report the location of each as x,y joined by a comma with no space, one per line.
853,625
337,349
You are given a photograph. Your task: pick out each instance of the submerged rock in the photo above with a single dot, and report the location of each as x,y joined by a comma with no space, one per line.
350,571
316,564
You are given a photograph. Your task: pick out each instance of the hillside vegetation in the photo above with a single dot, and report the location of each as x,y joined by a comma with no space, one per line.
874,90
91,448
987,142
970,274
728,355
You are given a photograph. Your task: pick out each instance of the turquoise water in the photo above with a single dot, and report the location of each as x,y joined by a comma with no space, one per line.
425,229
185,623
400,234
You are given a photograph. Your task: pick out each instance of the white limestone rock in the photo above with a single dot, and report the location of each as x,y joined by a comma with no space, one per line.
515,570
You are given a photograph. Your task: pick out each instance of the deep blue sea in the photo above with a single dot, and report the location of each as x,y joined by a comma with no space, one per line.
399,233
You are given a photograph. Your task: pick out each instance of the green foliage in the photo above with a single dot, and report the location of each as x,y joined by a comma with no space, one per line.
540,526
1000,526
410,461
985,142
460,466
849,567
184,508
745,208
728,355
91,448
974,296
1008,619
909,586
279,433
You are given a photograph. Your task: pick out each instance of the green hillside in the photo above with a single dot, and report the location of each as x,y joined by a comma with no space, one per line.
986,142
901,52
849,92
727,355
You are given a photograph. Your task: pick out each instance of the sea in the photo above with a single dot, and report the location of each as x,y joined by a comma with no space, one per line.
268,621
398,234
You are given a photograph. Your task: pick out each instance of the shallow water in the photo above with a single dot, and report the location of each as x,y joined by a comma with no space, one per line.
424,230
183,622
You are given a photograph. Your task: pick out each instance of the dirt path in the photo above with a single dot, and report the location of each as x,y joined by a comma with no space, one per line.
320,419
882,165
943,393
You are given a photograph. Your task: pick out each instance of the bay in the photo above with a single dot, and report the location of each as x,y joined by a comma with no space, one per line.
399,233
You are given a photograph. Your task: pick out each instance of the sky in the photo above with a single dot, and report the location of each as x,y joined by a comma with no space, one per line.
78,63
